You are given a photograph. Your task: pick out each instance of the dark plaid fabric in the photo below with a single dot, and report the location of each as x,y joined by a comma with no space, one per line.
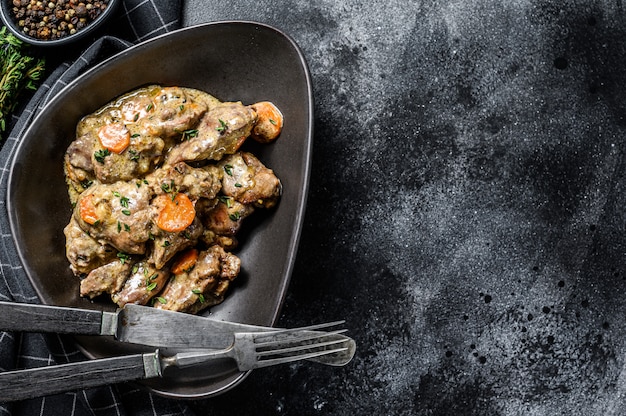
138,20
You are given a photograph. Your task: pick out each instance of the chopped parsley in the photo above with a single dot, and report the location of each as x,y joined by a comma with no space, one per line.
222,127
123,257
99,155
199,293
189,134
226,200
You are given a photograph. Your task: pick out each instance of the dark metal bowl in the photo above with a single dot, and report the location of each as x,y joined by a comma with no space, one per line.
9,21
241,61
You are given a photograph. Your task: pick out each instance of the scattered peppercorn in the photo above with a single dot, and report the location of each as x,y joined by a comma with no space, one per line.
55,19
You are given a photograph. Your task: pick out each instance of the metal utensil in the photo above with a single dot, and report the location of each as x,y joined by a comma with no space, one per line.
142,325
250,350
133,323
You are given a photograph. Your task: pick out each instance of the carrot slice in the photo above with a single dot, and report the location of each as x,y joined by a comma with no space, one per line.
88,210
114,137
175,214
185,261
269,122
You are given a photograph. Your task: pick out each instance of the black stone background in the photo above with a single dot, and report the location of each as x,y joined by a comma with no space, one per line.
466,207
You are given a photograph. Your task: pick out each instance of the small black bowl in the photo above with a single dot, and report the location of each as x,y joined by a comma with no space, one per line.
10,21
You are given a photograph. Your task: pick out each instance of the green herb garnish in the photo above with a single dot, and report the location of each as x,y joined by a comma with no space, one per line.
199,293
222,127
123,257
19,72
99,155
188,134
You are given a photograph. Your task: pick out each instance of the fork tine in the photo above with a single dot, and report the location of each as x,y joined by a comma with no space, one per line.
260,336
291,358
301,347
297,338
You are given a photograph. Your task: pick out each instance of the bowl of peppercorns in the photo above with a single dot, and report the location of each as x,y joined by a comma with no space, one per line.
55,22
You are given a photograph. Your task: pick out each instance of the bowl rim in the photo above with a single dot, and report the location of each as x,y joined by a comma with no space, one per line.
9,22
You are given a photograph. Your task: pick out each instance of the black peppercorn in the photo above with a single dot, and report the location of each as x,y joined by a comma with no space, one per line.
81,10
55,19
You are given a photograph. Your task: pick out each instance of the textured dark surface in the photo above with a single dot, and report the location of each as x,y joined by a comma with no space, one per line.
466,208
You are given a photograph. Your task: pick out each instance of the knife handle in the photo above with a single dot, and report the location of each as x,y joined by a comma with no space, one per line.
25,317
43,381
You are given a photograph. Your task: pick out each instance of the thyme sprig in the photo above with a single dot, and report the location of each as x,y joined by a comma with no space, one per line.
19,72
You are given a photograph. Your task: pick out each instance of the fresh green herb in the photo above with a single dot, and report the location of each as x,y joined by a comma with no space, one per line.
222,127
273,121
99,155
225,200
238,185
136,117
168,187
199,293
161,300
189,134
123,257
228,169
149,107
150,282
166,243
134,155
235,216
124,203
19,73
121,225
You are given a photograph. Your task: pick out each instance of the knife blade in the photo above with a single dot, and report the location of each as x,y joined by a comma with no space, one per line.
133,324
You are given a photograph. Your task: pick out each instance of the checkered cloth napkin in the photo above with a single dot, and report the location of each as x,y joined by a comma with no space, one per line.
138,20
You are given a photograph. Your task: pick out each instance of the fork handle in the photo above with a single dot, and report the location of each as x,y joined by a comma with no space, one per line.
43,381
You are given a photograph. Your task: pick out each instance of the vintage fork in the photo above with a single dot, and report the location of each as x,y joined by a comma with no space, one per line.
250,350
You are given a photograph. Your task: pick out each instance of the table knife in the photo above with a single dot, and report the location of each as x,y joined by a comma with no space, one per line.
133,323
